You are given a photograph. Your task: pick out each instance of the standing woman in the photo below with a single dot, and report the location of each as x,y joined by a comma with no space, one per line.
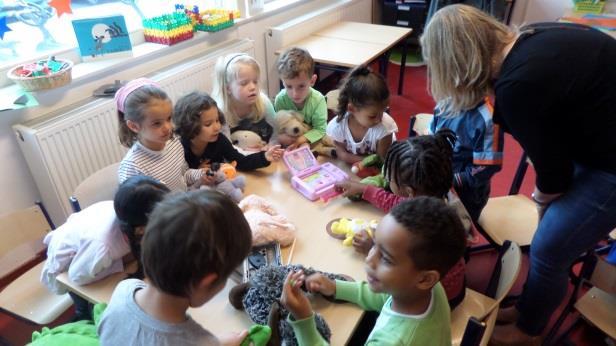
554,86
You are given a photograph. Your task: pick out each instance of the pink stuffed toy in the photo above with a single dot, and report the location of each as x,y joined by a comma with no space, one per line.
266,223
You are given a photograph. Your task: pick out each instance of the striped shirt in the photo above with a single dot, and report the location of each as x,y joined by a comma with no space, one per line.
167,166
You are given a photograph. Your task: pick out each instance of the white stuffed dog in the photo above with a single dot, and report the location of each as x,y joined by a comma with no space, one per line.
247,140
290,126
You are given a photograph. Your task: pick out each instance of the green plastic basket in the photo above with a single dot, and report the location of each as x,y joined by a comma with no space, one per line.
588,6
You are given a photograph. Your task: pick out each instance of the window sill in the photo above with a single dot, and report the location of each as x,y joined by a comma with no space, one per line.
142,52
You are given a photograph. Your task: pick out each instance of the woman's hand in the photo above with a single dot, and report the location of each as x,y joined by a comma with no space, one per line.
351,188
274,153
319,283
543,200
286,140
362,242
293,298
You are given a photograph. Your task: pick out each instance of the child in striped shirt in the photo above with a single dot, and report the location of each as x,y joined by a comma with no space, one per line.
144,113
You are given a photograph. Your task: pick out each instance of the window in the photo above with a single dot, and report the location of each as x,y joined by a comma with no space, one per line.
36,30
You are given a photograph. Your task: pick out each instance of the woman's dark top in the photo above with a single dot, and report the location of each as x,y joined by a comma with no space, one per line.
556,94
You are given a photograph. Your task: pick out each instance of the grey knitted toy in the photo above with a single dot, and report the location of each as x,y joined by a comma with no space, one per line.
260,297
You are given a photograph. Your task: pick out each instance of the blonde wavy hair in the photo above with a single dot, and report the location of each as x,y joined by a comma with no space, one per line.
462,47
227,71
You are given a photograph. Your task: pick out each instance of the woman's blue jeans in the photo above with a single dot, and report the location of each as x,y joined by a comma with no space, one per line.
572,224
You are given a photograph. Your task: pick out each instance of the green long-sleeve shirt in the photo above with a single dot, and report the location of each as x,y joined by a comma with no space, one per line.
391,328
314,112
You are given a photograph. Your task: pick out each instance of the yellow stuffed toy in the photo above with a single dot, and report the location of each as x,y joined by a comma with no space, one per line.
350,227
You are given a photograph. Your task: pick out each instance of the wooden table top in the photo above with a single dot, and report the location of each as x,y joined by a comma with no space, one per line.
313,247
349,44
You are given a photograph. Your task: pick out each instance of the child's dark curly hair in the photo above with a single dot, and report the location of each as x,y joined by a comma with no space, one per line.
133,202
422,163
362,88
439,240
187,113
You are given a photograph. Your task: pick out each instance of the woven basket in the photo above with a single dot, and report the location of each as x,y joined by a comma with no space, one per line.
55,80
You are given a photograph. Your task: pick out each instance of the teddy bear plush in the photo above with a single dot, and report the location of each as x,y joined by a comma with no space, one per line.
227,181
259,298
247,140
266,223
290,126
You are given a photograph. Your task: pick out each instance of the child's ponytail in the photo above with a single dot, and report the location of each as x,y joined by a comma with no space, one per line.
127,137
133,203
446,141
422,163
131,102
362,87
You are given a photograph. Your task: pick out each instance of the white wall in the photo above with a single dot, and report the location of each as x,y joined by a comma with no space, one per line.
16,182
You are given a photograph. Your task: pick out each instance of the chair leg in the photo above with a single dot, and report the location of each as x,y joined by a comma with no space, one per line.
518,178
562,339
588,263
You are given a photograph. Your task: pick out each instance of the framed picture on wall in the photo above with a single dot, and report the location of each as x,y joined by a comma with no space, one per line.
102,38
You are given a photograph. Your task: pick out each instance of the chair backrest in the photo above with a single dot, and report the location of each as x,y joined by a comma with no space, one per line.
21,238
604,276
332,99
100,186
21,292
505,273
420,124
473,333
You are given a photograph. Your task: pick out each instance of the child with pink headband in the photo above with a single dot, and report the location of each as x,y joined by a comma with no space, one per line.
144,113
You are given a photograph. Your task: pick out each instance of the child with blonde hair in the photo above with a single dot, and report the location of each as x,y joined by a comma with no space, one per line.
362,127
237,92
144,114
296,70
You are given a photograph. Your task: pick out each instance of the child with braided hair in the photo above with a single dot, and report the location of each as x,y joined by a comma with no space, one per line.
418,166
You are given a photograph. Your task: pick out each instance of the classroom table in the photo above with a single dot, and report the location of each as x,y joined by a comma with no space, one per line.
349,44
313,247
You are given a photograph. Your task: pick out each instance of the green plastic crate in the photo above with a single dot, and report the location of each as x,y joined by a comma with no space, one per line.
588,6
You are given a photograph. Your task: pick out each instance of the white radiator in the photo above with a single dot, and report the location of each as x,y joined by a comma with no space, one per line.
64,148
285,34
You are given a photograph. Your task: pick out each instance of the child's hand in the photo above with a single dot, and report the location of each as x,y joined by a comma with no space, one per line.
293,298
351,188
233,339
301,140
274,153
286,140
362,242
319,283
207,179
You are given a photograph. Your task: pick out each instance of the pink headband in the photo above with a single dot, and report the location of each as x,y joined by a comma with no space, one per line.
122,94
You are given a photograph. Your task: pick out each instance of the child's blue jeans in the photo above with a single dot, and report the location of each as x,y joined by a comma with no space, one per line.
572,224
